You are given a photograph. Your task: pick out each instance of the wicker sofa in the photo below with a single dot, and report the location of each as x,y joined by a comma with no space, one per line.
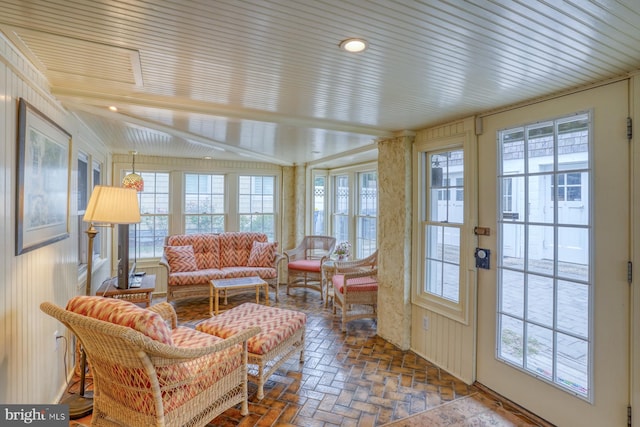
191,261
147,371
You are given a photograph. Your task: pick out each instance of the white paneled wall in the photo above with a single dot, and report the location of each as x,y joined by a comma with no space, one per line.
447,342
31,365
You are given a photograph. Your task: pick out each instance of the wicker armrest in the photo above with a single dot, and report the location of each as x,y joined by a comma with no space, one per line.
369,263
168,351
278,260
294,254
167,312
359,273
165,262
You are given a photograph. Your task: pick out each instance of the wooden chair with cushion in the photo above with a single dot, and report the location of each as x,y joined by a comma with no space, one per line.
148,371
355,288
304,262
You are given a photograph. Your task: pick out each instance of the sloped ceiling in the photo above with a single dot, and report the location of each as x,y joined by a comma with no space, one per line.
266,80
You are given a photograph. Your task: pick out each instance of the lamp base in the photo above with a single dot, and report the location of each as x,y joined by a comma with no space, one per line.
79,406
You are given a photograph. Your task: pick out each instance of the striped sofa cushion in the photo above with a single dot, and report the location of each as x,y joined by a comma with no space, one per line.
262,254
206,248
181,258
235,247
123,313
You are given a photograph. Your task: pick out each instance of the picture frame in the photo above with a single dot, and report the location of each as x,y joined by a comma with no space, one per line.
43,180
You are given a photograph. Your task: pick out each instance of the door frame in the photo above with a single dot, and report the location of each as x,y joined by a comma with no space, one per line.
634,158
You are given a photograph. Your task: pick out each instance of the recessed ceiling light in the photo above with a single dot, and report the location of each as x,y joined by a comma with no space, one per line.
353,45
113,108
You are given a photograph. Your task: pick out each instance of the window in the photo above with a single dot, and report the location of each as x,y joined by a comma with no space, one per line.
442,225
154,216
507,195
459,190
256,204
354,209
569,187
97,180
85,182
444,217
341,202
83,199
366,231
319,205
193,199
204,203
544,279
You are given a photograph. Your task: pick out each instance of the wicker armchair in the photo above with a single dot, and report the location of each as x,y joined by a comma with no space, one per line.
355,285
139,380
304,262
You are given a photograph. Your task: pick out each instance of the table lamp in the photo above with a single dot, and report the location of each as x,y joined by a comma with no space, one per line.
107,206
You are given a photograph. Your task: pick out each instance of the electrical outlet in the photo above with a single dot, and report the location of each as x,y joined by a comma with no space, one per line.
425,323
55,340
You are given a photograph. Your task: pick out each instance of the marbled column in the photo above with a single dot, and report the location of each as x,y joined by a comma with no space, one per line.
288,220
394,239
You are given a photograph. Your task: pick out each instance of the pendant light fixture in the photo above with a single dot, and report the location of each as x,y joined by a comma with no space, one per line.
133,180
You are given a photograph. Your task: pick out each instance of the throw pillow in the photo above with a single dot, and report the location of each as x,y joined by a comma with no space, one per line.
123,313
181,258
262,254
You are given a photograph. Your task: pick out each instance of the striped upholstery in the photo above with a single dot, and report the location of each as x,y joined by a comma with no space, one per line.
262,254
172,376
184,278
236,246
181,258
206,248
123,313
281,336
276,324
264,273
217,256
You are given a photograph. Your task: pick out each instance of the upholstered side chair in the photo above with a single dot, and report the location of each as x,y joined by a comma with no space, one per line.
304,262
355,288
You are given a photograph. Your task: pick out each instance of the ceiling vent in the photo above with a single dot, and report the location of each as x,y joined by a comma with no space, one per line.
68,61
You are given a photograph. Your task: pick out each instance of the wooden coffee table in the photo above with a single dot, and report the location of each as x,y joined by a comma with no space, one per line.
235,284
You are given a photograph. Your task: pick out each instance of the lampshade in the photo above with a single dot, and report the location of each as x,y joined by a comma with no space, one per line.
112,205
134,181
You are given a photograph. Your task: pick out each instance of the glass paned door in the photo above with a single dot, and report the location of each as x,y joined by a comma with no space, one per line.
553,309
545,251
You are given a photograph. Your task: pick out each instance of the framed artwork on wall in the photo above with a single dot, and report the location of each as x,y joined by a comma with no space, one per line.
43,167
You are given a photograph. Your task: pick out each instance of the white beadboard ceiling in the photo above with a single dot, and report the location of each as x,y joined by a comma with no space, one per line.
265,79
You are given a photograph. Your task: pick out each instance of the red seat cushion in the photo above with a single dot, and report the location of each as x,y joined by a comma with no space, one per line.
312,265
358,284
